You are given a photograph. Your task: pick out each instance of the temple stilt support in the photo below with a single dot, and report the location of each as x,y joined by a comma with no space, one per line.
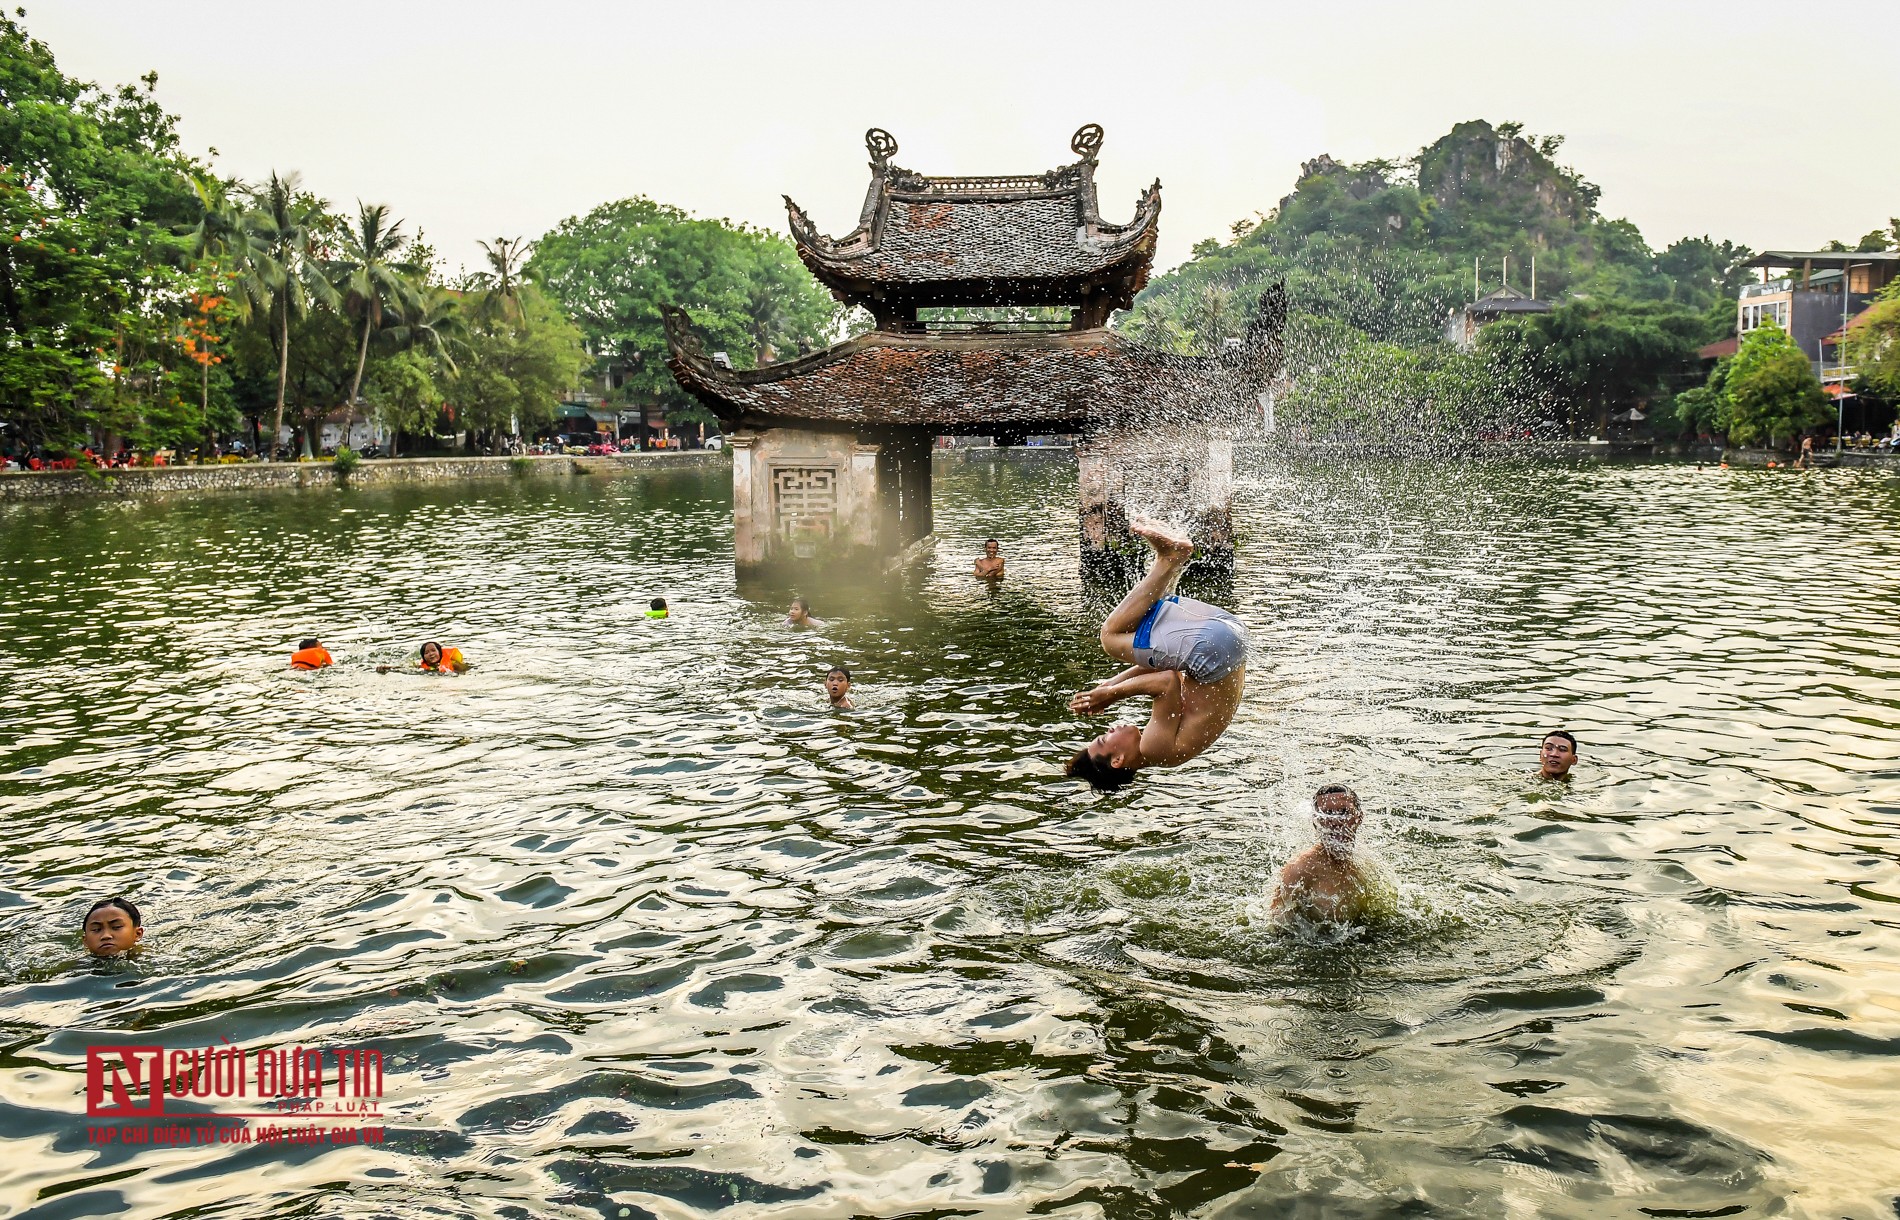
1183,476
805,500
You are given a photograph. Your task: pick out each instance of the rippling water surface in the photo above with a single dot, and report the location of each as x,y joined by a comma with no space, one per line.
644,929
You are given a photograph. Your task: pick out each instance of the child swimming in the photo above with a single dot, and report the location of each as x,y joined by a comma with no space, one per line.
311,654
657,608
838,688
112,928
436,659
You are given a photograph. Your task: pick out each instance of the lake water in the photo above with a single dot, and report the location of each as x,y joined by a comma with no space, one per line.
644,929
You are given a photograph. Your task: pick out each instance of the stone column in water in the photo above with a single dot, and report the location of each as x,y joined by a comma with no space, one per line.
804,499
749,529
1181,476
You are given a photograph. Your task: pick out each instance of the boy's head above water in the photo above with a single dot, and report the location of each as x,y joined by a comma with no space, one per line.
838,683
312,642
112,927
1336,816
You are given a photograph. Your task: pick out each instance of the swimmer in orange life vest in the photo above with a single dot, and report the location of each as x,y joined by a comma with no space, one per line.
437,660
310,654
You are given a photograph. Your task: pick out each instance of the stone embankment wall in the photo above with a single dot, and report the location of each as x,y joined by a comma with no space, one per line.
321,476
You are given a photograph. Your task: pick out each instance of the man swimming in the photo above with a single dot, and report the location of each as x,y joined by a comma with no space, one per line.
1557,755
989,566
1190,657
1327,882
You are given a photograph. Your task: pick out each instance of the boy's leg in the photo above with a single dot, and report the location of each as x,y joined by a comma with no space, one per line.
1171,555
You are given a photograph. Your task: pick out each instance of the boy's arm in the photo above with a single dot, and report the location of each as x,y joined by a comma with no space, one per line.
1156,683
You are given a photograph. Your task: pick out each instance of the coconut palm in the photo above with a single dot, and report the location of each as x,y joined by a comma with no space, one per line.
430,319
369,282
281,277
503,277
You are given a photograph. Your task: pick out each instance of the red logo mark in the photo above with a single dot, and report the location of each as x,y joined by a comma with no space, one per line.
116,1075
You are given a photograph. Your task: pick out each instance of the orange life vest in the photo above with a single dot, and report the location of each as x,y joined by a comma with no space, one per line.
451,663
310,658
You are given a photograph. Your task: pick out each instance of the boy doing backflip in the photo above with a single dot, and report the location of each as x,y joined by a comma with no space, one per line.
1188,656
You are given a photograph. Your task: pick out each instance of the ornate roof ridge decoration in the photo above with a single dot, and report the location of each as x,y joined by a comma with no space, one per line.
982,239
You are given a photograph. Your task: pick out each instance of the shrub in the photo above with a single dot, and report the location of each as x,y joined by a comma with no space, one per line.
345,462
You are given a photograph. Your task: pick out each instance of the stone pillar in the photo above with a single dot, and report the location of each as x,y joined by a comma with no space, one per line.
1184,476
858,506
909,486
750,526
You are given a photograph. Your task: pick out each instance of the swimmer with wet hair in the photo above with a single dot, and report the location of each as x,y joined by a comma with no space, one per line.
1328,883
799,615
311,654
838,688
435,659
112,928
657,608
1556,755
1189,657
989,566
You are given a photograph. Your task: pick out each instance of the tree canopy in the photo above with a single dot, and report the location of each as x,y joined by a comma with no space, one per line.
744,288
1387,249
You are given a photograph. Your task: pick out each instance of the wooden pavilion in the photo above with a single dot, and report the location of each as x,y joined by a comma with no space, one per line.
832,451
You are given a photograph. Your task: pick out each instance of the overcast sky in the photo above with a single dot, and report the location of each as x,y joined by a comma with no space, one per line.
1774,126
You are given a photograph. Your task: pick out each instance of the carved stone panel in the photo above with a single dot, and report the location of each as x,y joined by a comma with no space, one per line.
805,506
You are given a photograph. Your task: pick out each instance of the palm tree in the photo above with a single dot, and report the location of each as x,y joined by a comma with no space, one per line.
430,319
503,277
281,277
369,280
218,238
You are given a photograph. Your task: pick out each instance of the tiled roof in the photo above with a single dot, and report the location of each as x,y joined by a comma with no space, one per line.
1060,381
1035,238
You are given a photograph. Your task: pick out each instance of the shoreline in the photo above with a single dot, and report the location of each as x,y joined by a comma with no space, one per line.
19,486
24,486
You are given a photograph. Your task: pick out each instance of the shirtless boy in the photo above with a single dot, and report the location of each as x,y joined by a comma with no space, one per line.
1188,656
1327,882
990,565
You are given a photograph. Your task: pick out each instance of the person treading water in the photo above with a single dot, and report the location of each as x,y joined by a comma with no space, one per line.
1190,657
1329,882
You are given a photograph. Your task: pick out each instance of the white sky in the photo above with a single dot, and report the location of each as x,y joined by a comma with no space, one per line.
1745,120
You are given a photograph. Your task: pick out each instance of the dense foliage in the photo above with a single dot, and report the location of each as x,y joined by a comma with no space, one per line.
146,303
1387,251
744,289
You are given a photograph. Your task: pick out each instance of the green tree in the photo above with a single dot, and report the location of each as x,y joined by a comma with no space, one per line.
1771,389
282,277
404,393
369,282
744,288
92,189
1594,357
514,371
501,281
1873,343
